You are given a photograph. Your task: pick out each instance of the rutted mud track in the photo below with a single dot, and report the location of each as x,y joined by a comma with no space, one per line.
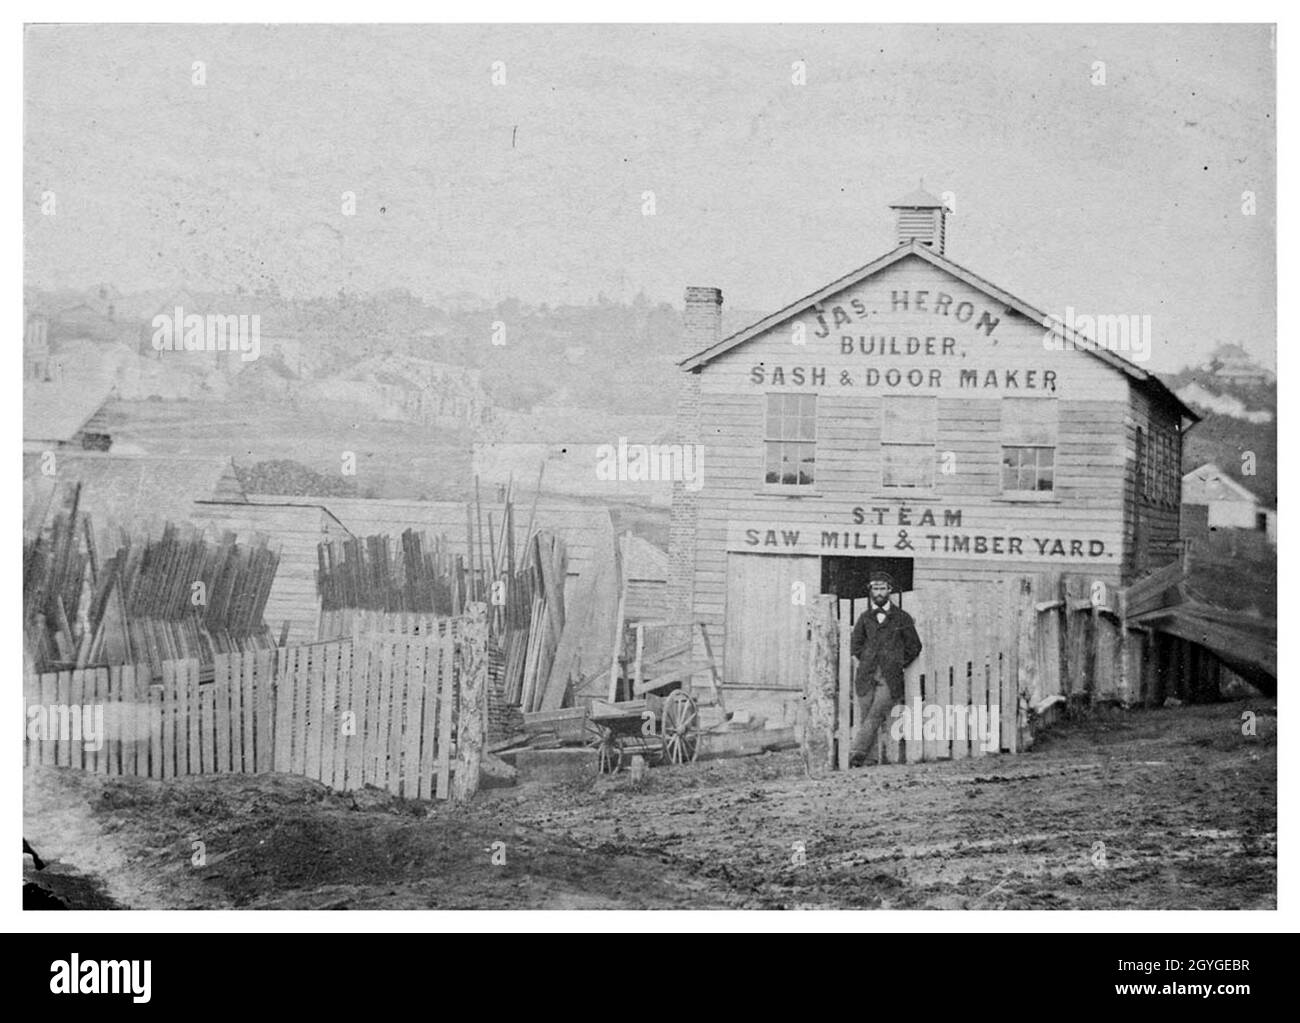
1167,809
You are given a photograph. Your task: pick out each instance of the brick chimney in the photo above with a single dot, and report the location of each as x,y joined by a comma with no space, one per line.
701,328
921,217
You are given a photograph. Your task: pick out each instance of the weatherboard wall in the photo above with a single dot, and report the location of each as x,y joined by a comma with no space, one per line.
969,365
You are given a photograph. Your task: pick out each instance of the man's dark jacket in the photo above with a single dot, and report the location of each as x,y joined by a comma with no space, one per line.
890,645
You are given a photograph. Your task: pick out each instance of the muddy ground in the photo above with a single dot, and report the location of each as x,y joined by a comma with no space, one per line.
1165,809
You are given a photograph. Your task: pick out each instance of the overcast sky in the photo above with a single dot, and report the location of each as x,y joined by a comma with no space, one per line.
1116,198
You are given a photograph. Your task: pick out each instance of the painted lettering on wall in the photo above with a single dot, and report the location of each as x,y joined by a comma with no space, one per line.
925,303
915,377
953,354
908,531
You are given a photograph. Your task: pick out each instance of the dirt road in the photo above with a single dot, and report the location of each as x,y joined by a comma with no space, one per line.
1166,809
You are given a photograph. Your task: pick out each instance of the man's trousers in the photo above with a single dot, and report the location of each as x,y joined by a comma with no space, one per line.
873,711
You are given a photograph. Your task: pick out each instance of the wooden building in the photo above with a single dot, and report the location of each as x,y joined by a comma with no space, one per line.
1222,503
910,415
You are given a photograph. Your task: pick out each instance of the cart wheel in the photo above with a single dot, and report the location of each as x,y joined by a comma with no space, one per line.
609,753
680,728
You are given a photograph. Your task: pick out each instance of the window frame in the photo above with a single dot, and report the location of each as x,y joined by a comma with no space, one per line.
780,484
1006,443
886,444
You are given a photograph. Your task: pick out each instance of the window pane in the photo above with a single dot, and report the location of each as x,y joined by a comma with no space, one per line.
1008,470
790,434
806,464
773,414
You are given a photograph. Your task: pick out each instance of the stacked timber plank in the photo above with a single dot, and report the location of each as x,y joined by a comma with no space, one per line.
534,606
179,596
524,591
374,573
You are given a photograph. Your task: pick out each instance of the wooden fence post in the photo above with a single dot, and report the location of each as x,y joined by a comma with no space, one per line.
844,696
818,718
472,730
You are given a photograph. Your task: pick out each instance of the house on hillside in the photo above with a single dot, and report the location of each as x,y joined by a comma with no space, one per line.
1214,500
407,389
66,413
266,322
912,417
94,315
1232,364
38,367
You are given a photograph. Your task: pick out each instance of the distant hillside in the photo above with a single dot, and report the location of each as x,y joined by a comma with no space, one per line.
615,356
612,356
1236,419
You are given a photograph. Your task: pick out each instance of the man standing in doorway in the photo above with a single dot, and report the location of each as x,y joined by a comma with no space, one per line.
884,643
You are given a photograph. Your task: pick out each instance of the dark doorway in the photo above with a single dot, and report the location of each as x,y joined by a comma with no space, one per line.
849,578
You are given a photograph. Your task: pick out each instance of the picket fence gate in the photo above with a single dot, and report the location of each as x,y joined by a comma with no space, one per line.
967,676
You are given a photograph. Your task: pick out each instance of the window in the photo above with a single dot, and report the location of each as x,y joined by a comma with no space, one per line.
1141,463
790,439
1162,480
908,431
1028,445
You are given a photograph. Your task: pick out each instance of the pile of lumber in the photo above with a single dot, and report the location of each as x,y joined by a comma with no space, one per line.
524,591
374,574
534,616
158,580
179,596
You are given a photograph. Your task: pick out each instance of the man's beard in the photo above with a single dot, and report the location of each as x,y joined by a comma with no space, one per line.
881,601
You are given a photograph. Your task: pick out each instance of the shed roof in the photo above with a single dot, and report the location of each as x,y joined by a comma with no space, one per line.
1210,483
56,411
138,493
918,199
642,560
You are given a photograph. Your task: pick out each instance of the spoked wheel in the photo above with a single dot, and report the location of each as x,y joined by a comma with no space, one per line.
680,729
609,751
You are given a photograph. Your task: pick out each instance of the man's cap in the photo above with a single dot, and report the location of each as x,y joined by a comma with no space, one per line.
880,576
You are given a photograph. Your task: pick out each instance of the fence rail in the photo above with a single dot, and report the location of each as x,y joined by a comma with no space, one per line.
375,709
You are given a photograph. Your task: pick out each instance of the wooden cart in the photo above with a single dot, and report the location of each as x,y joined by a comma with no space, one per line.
665,728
